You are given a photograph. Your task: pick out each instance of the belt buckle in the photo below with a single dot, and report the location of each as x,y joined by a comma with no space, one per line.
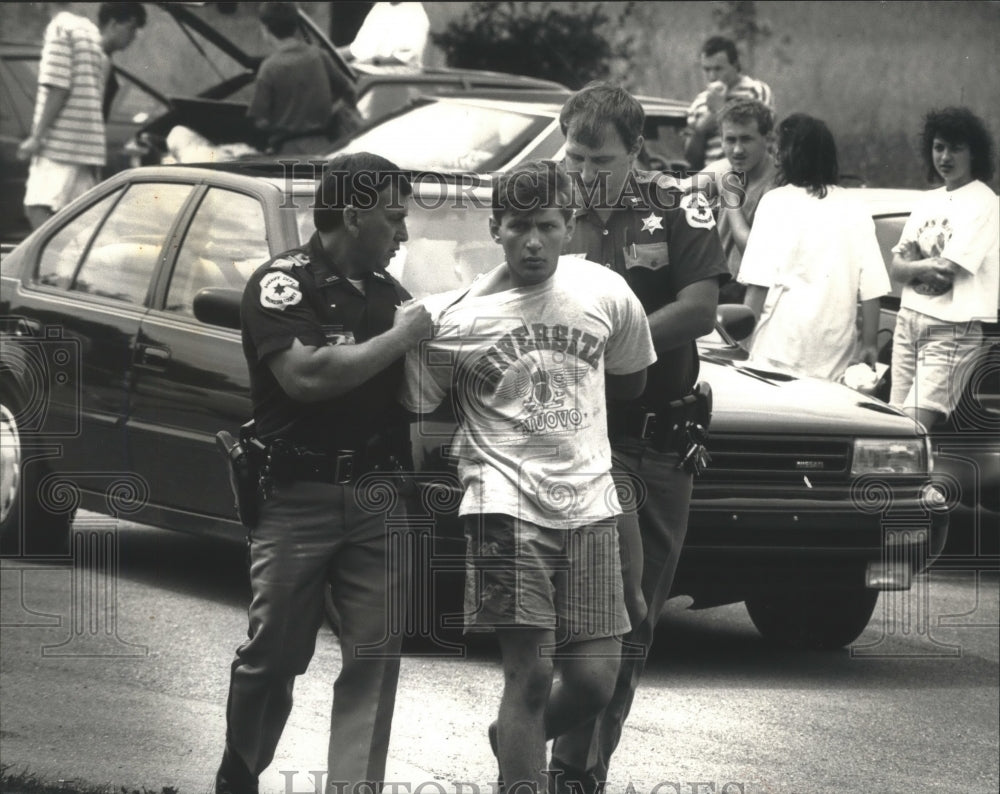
343,467
648,427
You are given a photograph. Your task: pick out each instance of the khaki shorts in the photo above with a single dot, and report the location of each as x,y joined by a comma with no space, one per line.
519,574
54,184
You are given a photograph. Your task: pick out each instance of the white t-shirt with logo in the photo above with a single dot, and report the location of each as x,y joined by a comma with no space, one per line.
525,367
962,225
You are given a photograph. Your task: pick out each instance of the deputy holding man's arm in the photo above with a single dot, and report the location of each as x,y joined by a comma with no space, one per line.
325,329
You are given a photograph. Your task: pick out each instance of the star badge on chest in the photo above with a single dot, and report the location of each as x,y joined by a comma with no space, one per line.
652,223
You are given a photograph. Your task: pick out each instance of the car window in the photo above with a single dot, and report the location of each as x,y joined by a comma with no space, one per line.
120,262
450,136
224,244
448,246
888,230
62,253
382,98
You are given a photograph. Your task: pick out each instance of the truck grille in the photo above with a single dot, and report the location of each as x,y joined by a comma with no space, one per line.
771,459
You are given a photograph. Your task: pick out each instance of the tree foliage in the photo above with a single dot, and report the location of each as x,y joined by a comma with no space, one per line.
739,20
565,42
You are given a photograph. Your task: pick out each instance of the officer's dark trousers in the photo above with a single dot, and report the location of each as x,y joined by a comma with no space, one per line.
310,533
663,517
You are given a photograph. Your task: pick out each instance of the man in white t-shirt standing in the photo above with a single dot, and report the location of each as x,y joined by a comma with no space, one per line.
529,354
392,33
67,142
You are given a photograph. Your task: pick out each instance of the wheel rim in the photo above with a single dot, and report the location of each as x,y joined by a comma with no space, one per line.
10,462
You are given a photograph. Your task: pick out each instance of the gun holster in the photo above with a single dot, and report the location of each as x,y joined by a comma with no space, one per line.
244,476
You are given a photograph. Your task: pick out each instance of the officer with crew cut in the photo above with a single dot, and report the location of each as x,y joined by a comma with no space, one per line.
325,329
664,243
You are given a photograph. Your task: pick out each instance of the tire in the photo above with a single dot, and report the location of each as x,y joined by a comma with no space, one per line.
818,619
26,526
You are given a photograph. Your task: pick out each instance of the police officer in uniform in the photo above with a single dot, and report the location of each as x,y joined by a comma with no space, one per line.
325,330
665,245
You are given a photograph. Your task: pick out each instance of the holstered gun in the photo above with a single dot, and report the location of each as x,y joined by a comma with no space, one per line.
244,474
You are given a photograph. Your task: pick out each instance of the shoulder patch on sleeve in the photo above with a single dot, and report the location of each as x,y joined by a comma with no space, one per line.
279,290
287,261
697,211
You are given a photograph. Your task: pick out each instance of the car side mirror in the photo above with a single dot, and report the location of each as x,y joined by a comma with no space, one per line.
218,306
736,319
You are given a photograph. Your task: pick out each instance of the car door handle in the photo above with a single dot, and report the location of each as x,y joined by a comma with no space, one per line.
152,356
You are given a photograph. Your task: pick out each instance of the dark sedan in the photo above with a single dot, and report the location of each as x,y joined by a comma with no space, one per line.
121,361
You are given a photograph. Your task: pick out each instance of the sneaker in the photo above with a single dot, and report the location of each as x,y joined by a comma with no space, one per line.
495,747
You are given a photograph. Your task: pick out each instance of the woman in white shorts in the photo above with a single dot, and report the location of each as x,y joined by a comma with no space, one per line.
949,263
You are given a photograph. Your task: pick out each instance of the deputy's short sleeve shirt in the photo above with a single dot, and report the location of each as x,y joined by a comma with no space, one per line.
300,295
661,240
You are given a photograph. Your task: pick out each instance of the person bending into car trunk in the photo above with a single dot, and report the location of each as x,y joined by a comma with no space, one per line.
301,99
530,354
948,259
641,226
325,329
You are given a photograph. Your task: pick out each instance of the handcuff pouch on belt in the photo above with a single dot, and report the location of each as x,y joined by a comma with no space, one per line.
681,426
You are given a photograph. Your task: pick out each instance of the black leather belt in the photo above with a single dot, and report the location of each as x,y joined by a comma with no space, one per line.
286,463
662,429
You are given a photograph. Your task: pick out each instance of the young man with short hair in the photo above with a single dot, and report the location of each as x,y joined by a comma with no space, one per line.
720,63
530,354
67,145
641,226
747,139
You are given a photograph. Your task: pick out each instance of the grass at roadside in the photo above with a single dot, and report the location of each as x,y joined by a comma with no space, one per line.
25,782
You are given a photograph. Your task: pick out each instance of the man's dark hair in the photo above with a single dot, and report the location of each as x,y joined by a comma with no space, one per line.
280,19
121,12
533,185
717,44
807,154
744,111
958,125
596,105
354,180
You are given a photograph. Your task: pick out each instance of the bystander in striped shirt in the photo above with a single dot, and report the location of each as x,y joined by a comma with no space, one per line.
72,58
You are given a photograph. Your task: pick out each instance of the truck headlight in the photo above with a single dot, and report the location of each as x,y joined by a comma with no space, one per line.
889,456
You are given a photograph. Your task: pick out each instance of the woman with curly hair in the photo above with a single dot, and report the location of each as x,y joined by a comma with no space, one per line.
948,260
811,256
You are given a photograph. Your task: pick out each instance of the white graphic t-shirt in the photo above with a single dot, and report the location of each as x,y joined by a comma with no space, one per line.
962,225
525,368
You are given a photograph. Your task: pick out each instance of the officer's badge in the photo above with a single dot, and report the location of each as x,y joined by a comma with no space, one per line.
697,211
652,223
278,290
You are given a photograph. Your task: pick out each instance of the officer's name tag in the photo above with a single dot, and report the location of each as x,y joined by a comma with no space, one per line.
336,335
